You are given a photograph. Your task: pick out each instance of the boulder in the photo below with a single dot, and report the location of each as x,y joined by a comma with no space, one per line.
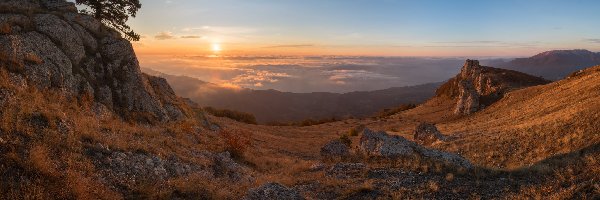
380,144
427,133
335,148
273,191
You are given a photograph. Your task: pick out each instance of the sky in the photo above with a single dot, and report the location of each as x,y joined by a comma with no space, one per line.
502,28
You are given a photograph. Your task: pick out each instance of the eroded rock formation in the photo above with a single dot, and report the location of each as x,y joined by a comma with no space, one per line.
477,87
52,47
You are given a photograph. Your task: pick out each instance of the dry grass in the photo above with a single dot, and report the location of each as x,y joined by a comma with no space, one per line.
5,28
33,58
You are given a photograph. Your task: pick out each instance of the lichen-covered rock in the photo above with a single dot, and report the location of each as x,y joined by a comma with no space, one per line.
273,191
380,144
468,99
427,133
346,170
57,48
335,148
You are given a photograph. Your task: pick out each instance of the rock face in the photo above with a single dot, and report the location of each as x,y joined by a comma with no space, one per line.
273,191
58,49
335,148
478,86
380,144
427,133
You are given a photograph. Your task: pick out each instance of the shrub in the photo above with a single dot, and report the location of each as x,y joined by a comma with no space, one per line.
346,140
306,122
5,28
356,130
237,141
232,114
392,111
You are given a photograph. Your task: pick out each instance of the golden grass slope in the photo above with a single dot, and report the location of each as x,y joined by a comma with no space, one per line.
532,124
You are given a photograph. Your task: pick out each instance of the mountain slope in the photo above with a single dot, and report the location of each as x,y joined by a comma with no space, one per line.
276,106
474,88
555,64
534,123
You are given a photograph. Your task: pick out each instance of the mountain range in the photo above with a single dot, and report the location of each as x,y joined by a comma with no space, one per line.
277,106
554,65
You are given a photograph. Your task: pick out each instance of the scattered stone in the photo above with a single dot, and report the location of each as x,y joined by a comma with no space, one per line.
273,191
427,133
346,170
335,148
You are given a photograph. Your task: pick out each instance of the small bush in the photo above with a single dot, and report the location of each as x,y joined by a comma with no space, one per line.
392,111
346,140
11,63
5,29
232,114
237,141
306,122
356,130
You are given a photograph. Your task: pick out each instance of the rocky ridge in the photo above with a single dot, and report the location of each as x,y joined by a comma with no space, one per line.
477,87
50,46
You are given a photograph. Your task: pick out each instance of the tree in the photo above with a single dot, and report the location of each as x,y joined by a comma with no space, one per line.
114,13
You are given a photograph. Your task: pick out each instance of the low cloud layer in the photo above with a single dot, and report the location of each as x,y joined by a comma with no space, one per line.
309,74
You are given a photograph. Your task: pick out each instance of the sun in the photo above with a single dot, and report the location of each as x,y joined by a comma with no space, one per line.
216,47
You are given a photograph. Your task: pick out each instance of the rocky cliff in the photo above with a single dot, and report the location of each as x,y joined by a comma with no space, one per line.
48,45
479,86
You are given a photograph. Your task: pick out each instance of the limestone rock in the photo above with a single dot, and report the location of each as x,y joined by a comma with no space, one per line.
59,49
468,99
335,148
380,144
273,191
427,133
476,86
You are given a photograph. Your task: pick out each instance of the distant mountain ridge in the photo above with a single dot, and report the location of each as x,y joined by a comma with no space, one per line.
554,65
277,106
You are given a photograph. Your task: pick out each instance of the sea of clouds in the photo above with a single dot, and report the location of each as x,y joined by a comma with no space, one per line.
308,73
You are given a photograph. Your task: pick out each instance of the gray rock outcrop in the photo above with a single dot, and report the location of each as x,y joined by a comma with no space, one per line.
273,191
55,48
381,144
335,148
427,133
476,86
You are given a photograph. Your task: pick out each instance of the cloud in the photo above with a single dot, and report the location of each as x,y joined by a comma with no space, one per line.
191,37
291,46
592,40
257,78
482,43
164,36
344,75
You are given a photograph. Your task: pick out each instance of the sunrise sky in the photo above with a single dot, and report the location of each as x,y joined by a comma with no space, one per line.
366,27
